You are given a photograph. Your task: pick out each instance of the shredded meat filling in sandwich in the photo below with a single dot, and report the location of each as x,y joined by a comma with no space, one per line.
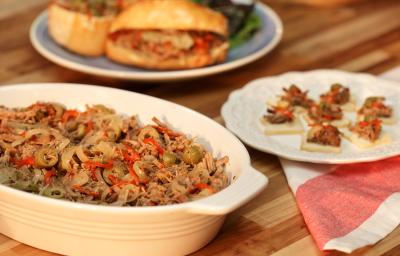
168,44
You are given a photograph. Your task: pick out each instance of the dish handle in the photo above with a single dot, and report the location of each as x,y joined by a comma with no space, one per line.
248,185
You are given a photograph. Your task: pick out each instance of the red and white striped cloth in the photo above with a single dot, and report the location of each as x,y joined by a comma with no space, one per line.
350,206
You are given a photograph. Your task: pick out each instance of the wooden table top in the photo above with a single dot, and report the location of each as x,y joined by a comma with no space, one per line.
362,37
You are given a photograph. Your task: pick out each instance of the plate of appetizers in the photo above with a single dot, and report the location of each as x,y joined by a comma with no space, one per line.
322,116
140,41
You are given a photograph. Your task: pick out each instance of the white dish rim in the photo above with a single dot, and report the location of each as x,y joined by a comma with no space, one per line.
208,205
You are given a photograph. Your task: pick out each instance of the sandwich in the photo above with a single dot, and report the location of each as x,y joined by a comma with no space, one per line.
82,26
168,35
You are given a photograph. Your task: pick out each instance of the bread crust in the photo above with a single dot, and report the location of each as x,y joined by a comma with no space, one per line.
282,129
78,32
384,138
171,14
136,58
314,147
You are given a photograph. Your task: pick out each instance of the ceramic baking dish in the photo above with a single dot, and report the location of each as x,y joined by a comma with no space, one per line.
81,229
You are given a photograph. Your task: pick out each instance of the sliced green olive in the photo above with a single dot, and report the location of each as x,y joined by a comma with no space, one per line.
140,172
103,109
46,157
54,192
116,171
71,125
192,155
59,109
79,132
40,115
113,134
148,132
336,86
169,159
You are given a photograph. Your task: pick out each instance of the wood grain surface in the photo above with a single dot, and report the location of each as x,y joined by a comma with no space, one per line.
360,37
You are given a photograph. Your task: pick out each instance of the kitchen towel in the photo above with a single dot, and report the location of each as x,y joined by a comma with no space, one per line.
348,206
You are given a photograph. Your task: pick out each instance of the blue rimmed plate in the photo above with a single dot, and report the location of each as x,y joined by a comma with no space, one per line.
260,44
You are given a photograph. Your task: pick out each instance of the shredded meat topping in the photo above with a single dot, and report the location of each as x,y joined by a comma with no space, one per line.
338,94
96,156
324,135
279,115
369,130
325,112
167,44
374,107
296,97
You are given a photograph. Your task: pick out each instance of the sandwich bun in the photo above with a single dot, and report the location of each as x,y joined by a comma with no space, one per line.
78,32
171,14
168,15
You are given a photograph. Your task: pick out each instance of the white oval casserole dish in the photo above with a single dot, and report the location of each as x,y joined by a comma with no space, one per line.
82,229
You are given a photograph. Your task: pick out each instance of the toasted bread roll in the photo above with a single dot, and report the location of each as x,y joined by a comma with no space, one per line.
168,34
78,32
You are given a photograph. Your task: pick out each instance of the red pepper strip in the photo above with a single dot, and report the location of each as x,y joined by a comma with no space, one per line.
119,182
377,104
329,117
155,144
92,166
68,115
130,155
135,178
29,161
85,191
284,111
89,126
366,123
48,176
204,186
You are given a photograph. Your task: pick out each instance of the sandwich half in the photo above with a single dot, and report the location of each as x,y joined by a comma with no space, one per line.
168,35
82,26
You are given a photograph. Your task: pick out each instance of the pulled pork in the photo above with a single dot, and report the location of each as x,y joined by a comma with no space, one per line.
324,135
338,94
168,44
368,130
374,107
279,115
296,97
324,112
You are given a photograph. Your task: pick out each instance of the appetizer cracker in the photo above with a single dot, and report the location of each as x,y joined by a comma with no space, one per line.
367,134
339,95
375,108
280,120
322,138
326,113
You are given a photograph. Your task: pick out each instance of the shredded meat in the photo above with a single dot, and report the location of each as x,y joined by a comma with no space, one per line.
167,44
296,97
96,156
338,94
369,130
325,112
324,135
374,107
278,115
